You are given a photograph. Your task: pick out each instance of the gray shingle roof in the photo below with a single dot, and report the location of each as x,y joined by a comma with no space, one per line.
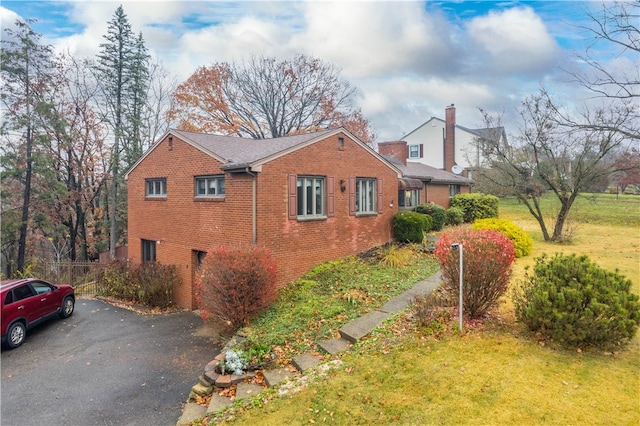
420,171
427,173
236,151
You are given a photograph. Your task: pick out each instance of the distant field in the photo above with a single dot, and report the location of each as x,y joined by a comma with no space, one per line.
604,227
601,209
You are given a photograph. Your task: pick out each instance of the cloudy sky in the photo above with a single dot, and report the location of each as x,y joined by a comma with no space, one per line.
408,59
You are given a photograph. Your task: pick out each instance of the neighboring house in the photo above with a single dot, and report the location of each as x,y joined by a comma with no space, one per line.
308,198
443,143
421,183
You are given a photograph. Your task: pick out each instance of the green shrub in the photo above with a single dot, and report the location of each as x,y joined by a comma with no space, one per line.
571,300
522,241
236,284
455,216
410,227
476,205
438,214
487,258
148,283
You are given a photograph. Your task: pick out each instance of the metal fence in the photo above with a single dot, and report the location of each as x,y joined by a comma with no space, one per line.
80,275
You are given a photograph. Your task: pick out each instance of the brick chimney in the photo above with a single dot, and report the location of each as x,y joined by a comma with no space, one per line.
396,149
450,138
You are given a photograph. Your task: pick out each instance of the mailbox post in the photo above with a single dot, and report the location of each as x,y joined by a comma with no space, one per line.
458,246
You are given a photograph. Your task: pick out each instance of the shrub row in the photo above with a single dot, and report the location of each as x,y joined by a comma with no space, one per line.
149,283
476,206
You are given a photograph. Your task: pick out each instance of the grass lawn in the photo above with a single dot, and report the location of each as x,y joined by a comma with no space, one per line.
493,374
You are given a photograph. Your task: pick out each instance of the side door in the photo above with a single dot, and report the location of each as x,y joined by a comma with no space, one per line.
20,303
46,298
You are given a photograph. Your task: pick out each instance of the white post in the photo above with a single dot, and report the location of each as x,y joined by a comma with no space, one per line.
460,246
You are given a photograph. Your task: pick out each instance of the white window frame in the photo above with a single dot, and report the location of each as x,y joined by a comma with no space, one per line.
214,186
311,205
156,187
454,190
366,196
413,154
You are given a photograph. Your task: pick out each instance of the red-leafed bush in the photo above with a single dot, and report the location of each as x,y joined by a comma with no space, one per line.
236,284
487,259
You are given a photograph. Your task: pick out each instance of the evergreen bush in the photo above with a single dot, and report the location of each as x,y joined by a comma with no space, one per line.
455,216
522,241
476,205
410,227
438,214
236,284
487,259
569,299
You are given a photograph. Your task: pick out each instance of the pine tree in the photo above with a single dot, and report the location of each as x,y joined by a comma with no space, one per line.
26,66
123,75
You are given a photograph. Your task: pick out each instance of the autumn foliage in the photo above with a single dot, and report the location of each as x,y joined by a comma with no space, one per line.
265,97
487,259
236,284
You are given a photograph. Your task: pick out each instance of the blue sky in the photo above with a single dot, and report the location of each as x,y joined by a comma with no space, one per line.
408,59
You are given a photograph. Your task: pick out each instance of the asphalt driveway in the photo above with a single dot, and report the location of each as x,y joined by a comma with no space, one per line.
105,366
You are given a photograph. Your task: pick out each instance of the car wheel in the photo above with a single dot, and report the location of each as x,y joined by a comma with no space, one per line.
16,335
67,307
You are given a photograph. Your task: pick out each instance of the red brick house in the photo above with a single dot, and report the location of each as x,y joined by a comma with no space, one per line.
422,183
308,198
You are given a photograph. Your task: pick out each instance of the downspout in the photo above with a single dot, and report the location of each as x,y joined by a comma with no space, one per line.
254,206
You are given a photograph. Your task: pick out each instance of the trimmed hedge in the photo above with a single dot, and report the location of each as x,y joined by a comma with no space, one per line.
410,227
437,213
476,205
455,216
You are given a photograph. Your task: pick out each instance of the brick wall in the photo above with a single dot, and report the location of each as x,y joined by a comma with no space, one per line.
396,149
439,194
181,224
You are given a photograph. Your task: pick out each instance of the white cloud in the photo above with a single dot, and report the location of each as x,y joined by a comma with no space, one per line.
408,61
372,38
516,41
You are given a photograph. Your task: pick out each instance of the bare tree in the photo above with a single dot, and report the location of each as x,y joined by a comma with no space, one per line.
549,155
615,28
76,147
162,84
266,97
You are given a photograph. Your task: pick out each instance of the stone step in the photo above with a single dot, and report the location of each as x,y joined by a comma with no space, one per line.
305,360
191,412
273,377
247,390
334,346
218,402
360,327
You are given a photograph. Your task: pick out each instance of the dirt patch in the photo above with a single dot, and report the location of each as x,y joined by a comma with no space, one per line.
212,330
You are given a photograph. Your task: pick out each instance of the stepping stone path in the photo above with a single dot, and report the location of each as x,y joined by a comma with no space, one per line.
212,383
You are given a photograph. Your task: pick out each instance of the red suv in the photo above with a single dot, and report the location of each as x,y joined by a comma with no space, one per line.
29,302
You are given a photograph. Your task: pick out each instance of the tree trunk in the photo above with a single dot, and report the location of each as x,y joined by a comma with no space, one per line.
113,232
26,200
